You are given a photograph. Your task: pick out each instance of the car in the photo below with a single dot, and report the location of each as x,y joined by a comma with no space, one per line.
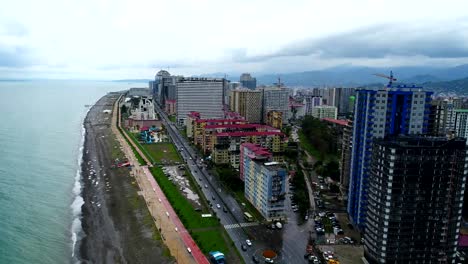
269,261
200,179
306,217
213,198
255,259
248,242
218,206
244,247
198,209
225,209
206,186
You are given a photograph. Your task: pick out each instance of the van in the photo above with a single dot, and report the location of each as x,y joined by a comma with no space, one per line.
189,250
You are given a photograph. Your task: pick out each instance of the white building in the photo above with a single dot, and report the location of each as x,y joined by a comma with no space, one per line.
325,111
203,95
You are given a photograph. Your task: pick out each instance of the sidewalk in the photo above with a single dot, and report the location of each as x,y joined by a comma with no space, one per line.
174,234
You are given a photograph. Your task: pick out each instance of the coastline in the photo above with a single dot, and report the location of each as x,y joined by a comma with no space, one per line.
117,226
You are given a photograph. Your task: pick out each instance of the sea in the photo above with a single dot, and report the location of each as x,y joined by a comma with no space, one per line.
41,145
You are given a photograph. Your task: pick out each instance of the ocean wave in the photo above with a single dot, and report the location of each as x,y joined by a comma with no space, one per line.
76,228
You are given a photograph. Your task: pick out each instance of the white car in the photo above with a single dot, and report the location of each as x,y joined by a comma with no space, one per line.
217,205
248,242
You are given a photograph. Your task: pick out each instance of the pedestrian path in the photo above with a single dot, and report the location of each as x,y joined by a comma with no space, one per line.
231,226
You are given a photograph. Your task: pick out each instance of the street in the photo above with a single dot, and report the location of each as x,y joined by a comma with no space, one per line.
294,238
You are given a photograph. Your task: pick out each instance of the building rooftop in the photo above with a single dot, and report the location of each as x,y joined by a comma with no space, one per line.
336,121
240,126
246,134
258,151
219,120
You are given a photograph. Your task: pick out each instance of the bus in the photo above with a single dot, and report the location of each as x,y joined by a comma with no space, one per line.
248,217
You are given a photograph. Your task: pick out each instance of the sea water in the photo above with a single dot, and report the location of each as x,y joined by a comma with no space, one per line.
41,147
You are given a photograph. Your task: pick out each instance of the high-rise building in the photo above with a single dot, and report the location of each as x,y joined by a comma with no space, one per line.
247,81
379,113
264,181
345,161
277,99
202,95
325,111
248,103
165,86
342,100
415,199
312,101
461,123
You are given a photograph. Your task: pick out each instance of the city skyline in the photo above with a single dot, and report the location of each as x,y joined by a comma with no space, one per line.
113,40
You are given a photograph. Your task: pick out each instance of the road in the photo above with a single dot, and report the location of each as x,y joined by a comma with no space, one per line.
294,237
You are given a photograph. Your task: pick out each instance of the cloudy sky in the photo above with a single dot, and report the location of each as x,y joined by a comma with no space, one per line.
117,39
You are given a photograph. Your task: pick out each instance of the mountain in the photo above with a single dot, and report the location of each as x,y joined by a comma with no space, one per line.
350,76
459,86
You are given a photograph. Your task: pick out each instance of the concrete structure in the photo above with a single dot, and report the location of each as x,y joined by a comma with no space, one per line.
203,95
265,181
415,199
170,107
325,111
345,159
343,100
310,102
275,119
277,99
247,81
461,123
165,85
247,103
378,113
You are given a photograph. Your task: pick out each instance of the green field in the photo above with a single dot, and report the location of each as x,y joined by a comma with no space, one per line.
210,240
162,152
182,206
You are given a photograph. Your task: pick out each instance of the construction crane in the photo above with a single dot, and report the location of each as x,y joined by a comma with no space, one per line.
390,78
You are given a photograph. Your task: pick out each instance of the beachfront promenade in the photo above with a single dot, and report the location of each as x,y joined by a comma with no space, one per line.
173,232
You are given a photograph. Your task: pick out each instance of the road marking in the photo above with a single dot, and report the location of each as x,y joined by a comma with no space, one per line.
231,226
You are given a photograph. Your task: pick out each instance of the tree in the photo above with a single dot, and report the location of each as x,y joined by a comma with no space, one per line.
123,109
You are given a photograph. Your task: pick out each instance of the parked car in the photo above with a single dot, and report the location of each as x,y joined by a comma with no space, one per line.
218,206
244,247
225,209
248,242
269,261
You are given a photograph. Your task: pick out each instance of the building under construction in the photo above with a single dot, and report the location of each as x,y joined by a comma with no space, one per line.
415,198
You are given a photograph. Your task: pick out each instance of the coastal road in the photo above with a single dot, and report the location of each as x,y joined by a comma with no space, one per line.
295,237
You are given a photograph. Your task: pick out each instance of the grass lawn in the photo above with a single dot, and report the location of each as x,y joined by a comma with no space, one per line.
172,118
210,240
305,144
182,206
162,151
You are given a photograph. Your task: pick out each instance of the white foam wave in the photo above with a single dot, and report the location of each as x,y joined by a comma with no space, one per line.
78,201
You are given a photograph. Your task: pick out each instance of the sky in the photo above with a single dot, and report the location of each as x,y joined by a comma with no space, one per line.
121,39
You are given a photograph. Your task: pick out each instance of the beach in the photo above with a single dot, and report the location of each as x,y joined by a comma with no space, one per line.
117,226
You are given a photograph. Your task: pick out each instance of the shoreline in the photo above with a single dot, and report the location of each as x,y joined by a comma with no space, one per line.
114,219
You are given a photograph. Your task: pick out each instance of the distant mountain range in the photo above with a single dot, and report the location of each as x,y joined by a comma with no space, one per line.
439,79
352,76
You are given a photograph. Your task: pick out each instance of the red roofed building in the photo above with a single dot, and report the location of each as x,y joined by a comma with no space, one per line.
225,146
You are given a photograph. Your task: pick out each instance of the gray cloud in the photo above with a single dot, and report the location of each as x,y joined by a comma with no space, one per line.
14,56
441,41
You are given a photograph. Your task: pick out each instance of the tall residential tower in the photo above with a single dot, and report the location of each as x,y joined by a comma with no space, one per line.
378,113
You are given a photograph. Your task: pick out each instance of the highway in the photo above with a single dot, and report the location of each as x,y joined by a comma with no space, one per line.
292,251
